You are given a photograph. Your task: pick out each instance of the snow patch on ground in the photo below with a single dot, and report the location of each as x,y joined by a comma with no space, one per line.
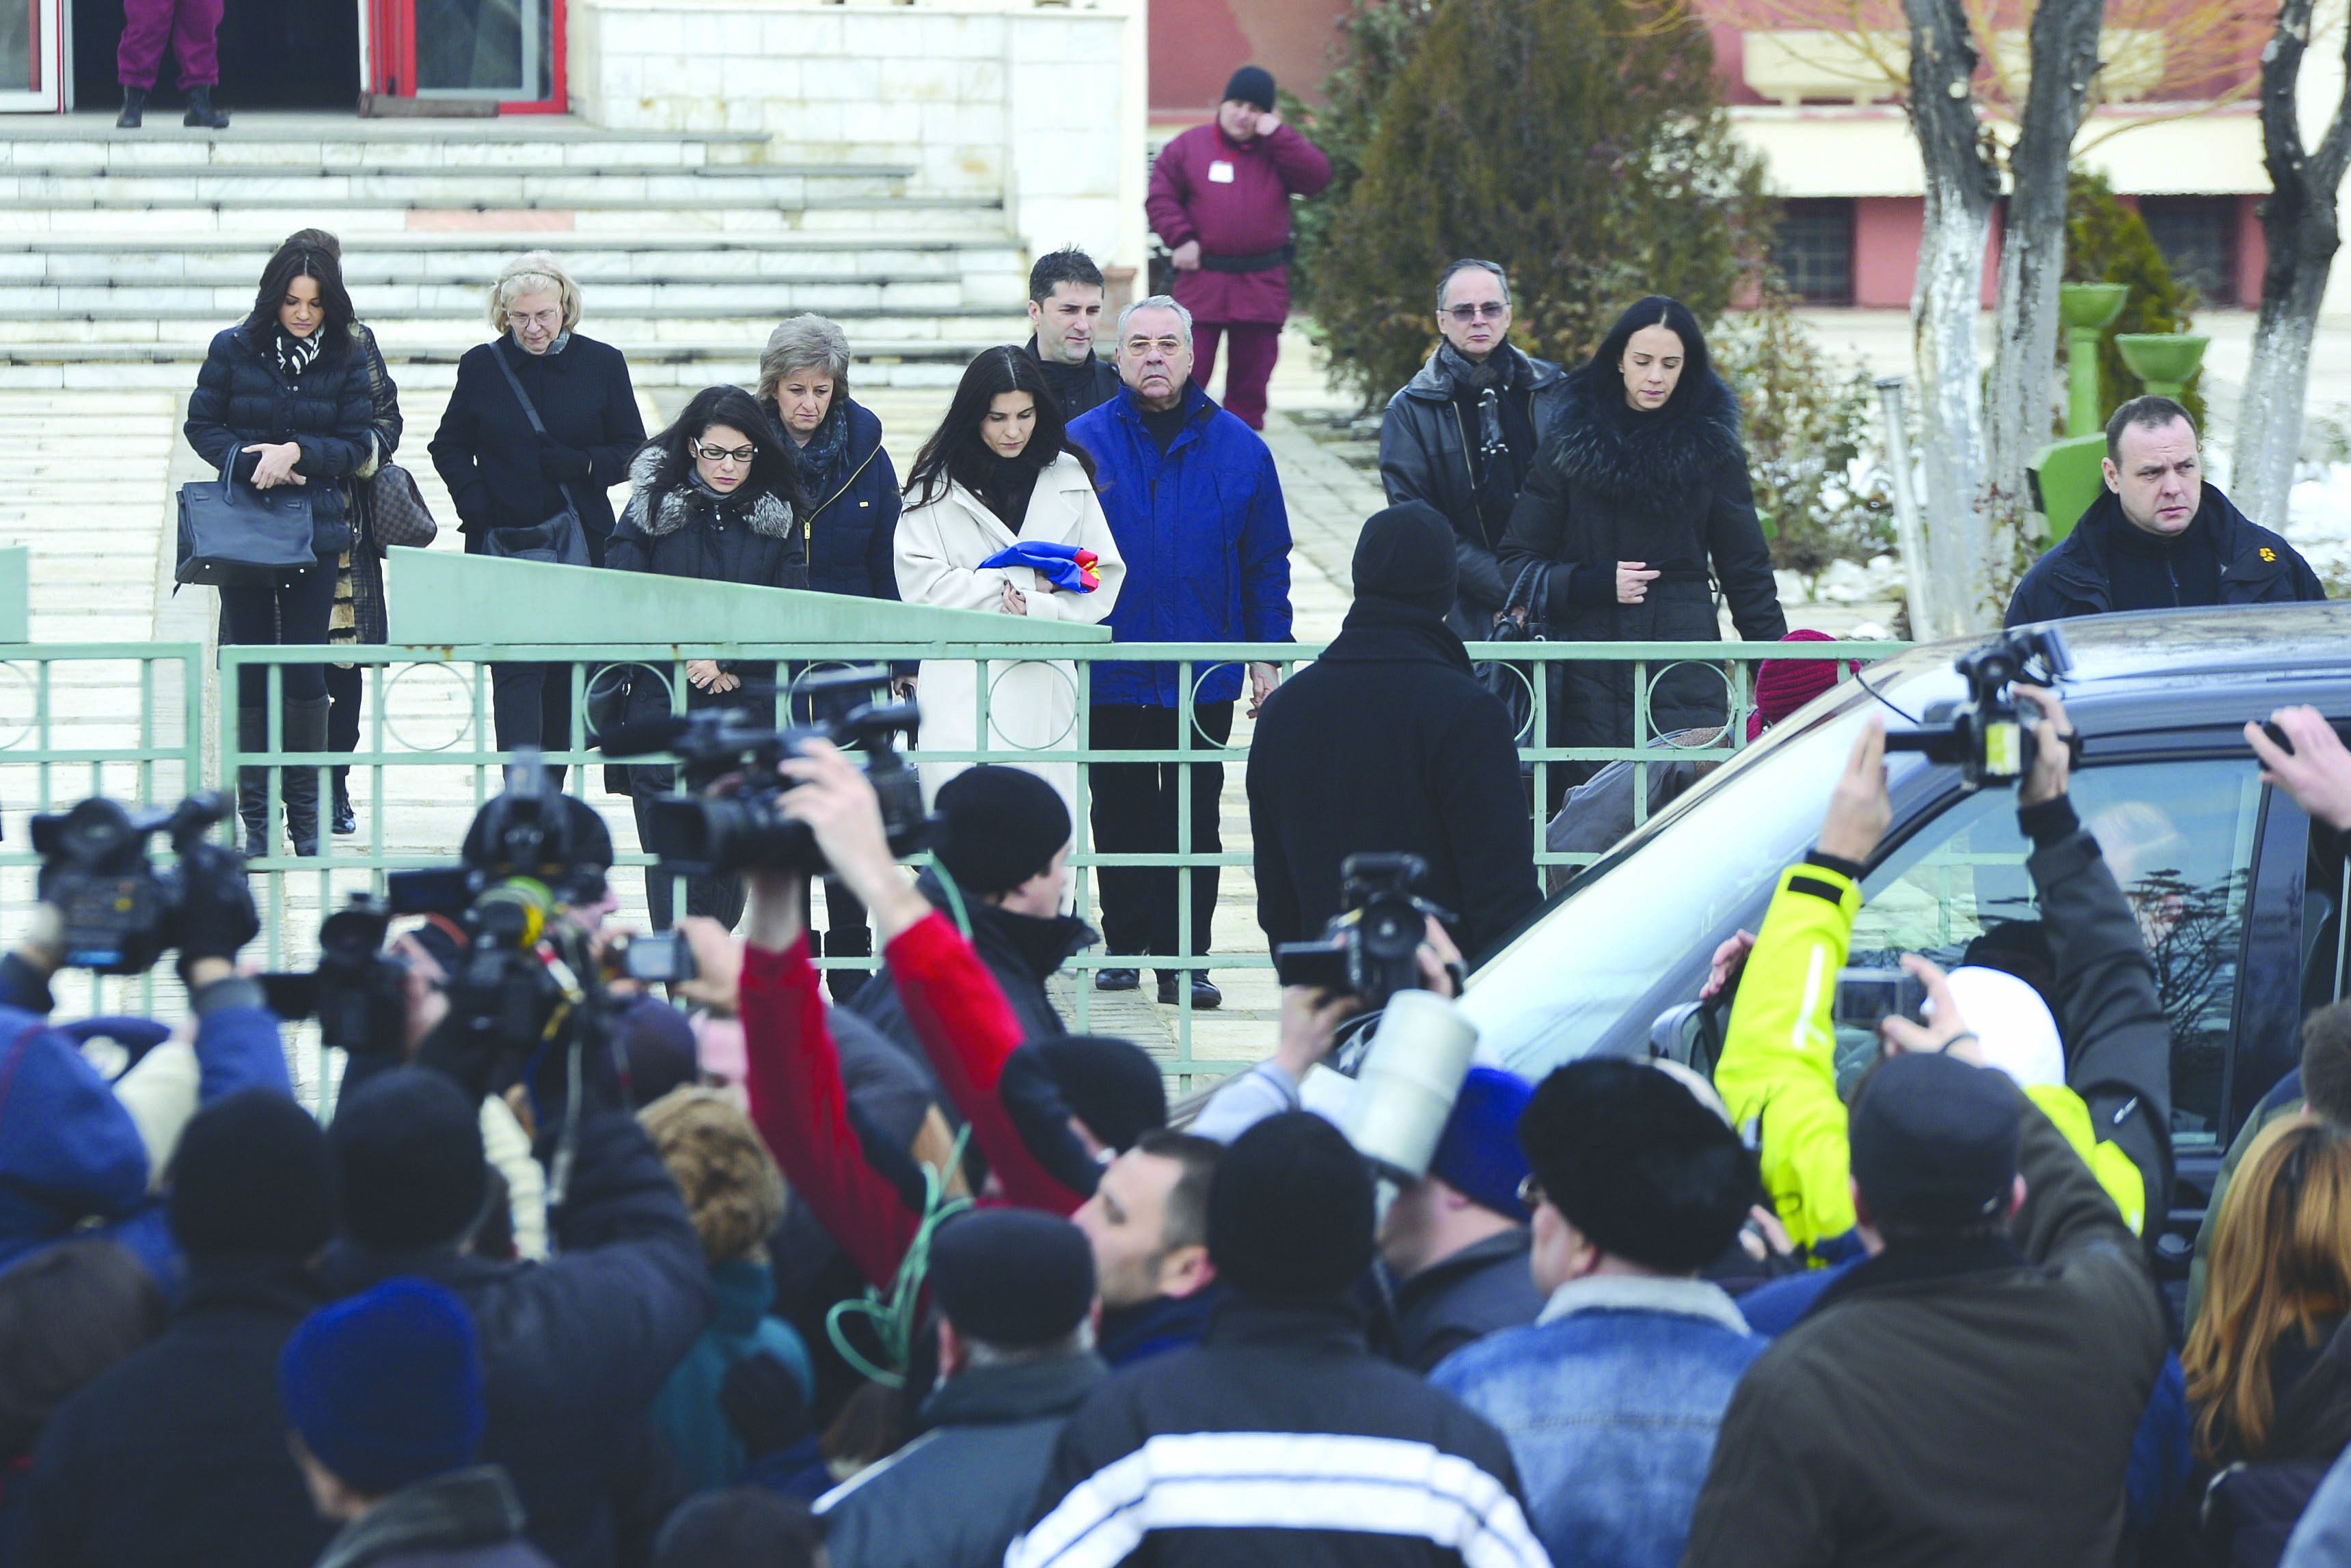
1844,583
2318,521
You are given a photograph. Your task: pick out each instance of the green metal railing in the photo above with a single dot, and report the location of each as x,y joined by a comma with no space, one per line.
427,759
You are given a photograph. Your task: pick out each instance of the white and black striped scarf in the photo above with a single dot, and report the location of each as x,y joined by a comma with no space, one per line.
295,355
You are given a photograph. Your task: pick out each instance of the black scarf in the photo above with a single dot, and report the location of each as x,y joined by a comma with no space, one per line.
1003,486
296,355
826,454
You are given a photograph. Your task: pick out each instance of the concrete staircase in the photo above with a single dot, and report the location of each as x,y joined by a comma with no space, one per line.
124,252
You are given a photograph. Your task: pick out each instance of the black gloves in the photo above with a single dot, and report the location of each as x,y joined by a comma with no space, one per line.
216,917
763,1402
563,464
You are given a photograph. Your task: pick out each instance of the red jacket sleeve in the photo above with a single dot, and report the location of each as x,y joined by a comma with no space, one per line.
1304,167
968,1030
1171,184
801,1109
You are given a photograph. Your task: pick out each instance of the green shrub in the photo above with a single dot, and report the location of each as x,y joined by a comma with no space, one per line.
1376,38
1579,143
1819,488
2105,242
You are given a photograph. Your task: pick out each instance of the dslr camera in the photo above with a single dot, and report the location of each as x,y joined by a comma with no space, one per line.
742,829
1370,947
1982,735
121,910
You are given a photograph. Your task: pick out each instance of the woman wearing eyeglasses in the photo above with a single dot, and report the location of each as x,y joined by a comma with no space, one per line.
718,498
1640,506
1463,433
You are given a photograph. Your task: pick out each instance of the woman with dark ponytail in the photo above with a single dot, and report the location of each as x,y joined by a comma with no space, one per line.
285,398
1640,506
1000,475
718,498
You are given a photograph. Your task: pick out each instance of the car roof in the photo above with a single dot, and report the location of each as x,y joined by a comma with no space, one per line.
2260,644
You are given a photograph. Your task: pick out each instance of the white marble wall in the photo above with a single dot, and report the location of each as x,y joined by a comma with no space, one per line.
1041,107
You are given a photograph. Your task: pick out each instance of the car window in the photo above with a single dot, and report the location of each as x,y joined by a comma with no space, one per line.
2179,837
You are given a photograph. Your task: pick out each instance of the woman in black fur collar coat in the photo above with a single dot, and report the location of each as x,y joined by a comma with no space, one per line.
1640,505
719,498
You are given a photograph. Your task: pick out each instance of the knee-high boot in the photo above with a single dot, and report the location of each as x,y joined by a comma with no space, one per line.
252,784
306,730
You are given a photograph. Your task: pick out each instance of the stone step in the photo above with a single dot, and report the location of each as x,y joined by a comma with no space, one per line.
402,332
879,362
510,143
898,218
220,262
732,185
766,297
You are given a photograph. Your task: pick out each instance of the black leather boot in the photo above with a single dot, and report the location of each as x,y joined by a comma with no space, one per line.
134,109
252,784
201,112
346,821
306,730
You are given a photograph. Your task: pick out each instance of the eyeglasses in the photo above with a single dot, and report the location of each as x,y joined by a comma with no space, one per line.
721,453
1168,346
1491,311
1531,1193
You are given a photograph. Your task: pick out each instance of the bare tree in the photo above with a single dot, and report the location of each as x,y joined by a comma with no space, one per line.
2299,222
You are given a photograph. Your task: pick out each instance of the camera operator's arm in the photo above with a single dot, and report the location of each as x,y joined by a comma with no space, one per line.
2316,772
1778,1052
2119,1039
953,1003
24,972
792,1075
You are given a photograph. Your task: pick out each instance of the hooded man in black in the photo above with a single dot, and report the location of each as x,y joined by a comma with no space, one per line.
1388,742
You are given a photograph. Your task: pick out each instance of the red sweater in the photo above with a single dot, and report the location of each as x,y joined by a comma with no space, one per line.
801,1109
1234,198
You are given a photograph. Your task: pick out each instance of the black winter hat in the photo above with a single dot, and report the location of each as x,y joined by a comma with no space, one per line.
407,1150
997,828
1112,1085
1012,1277
1290,1212
1634,1162
657,1042
1934,1142
252,1176
1406,552
1252,85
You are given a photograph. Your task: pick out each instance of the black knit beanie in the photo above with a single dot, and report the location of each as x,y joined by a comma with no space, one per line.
251,1176
1012,1277
999,826
407,1150
1112,1085
1634,1162
1406,552
1290,1212
1252,85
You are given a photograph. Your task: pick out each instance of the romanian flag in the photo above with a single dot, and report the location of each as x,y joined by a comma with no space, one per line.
1066,567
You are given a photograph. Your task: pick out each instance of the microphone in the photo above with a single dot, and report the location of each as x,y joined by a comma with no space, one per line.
642,737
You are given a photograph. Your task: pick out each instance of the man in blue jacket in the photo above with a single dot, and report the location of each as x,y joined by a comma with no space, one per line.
1193,498
74,1161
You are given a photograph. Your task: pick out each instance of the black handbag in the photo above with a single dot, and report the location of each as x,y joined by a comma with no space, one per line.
237,535
559,539
1513,684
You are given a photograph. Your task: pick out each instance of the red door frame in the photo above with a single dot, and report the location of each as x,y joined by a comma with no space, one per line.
392,37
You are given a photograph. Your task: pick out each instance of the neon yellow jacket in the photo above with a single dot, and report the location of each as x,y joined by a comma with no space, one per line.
1777,1070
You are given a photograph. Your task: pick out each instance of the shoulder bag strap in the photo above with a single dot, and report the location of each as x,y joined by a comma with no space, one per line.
498,353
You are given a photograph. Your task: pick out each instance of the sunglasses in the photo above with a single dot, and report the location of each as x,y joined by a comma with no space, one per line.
1473,312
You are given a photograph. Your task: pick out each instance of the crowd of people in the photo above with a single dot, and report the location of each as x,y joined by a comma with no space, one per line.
897,1272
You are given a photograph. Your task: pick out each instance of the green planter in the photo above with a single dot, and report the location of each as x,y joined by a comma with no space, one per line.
2085,308
2166,361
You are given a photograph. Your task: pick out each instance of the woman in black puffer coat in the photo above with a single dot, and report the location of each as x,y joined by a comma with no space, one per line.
718,498
286,399
1640,503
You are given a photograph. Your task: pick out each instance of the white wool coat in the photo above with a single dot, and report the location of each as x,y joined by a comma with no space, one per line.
1032,704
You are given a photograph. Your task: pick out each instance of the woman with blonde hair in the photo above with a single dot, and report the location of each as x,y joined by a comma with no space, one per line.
2269,1371
543,420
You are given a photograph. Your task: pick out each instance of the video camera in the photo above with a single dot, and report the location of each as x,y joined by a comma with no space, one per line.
121,911
1983,735
744,829
359,992
1371,949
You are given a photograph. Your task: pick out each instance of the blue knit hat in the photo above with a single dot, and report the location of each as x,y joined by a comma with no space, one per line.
385,1388
1479,1155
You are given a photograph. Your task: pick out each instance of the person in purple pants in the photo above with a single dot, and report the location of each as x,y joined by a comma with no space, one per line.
192,28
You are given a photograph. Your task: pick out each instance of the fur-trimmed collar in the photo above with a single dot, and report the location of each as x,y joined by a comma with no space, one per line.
1647,460
765,512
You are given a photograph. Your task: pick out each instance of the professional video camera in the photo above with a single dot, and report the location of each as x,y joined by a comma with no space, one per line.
1371,949
359,992
742,829
121,911
1983,735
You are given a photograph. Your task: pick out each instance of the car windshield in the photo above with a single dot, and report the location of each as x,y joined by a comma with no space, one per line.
1556,992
